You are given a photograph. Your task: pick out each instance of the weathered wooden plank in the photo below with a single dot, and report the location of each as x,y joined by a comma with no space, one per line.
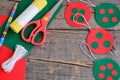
61,24
38,70
5,7
63,46
60,58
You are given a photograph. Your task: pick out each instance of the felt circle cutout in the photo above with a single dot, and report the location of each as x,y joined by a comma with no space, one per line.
106,69
107,15
74,8
100,41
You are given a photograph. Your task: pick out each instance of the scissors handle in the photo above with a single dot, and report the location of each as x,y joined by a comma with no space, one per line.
31,34
39,28
42,30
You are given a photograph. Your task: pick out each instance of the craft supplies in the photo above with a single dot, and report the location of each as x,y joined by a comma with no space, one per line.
12,39
11,42
104,69
107,15
18,72
40,27
72,9
19,53
99,40
27,15
8,24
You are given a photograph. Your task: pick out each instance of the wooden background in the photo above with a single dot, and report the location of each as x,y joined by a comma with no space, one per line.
60,58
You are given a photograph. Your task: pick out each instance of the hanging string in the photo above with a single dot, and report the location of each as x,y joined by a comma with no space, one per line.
92,57
87,24
88,2
68,1
115,48
19,53
112,52
115,37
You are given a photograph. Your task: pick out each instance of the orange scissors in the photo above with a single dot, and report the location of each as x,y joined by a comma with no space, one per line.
40,27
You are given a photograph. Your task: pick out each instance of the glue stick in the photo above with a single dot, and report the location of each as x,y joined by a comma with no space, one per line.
27,15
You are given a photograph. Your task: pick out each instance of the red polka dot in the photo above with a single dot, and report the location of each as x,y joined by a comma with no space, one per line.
101,75
114,73
114,19
109,66
109,78
102,68
105,19
111,11
102,11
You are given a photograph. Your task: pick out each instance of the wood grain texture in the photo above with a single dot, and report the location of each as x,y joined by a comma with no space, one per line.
60,58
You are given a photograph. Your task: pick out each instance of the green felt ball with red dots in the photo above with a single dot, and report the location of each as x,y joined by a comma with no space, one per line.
107,15
106,69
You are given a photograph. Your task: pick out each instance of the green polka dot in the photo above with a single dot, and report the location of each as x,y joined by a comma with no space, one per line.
99,35
94,45
107,44
82,11
73,17
74,10
81,19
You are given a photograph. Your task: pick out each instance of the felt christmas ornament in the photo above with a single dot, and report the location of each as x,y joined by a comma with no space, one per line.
99,40
104,69
72,9
19,70
107,15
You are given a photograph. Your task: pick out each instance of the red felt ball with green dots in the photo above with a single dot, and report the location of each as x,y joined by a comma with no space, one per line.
106,69
107,15
72,9
100,41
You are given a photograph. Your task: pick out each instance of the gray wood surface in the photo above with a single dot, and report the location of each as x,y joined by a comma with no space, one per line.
60,58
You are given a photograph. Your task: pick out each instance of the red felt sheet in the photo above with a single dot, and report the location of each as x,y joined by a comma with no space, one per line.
18,73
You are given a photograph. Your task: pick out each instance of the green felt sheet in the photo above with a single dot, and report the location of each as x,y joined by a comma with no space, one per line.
12,39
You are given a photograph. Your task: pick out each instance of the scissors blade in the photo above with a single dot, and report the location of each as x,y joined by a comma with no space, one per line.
52,11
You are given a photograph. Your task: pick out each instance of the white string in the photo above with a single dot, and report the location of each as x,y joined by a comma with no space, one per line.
92,57
88,2
115,47
88,26
68,1
18,54
112,52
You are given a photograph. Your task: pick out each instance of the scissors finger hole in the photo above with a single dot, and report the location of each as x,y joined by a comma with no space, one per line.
38,38
29,30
